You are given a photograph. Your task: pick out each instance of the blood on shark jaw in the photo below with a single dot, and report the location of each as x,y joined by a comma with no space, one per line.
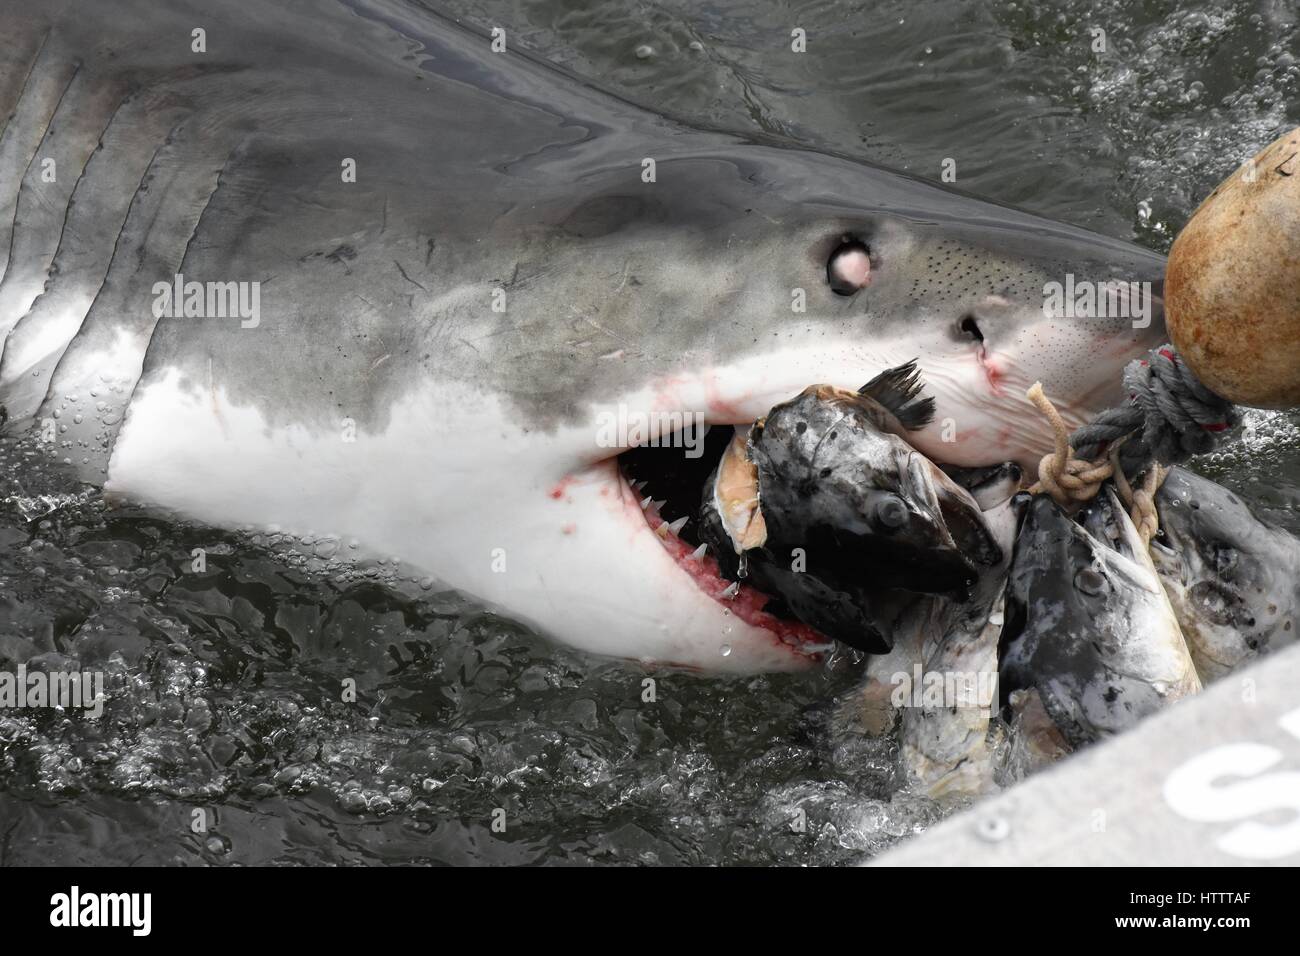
664,485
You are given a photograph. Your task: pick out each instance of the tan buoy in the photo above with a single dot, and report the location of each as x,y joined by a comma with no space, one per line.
1232,286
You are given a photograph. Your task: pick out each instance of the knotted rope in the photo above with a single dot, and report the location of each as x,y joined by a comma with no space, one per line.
1169,417
1069,480
1141,503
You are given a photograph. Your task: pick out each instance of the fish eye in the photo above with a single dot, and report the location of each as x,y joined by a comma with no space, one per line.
848,270
1089,581
891,512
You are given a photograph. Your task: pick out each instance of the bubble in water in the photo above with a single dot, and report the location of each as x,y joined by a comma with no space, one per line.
216,846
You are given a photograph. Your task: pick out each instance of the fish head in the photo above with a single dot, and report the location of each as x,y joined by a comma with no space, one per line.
1093,572
1234,580
868,510
1088,624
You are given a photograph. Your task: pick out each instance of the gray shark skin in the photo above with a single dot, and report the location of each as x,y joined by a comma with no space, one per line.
433,341
1233,580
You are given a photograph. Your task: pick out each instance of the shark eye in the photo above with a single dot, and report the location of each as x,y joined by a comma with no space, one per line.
848,270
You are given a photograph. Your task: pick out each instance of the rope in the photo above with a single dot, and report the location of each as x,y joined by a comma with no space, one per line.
1141,502
1169,417
1069,480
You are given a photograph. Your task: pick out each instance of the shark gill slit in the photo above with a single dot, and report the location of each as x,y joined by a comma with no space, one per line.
43,333
37,238
29,123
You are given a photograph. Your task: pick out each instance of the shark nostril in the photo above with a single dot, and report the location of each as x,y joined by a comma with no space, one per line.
969,326
848,270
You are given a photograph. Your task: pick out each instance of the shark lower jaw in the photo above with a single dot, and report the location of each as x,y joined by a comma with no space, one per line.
671,522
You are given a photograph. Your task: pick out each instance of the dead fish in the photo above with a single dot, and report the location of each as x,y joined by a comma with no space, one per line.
950,745
930,633
823,506
1088,623
915,623
990,486
835,478
1033,741
1233,580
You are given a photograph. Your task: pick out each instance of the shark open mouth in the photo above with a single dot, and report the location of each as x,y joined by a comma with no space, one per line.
818,522
669,485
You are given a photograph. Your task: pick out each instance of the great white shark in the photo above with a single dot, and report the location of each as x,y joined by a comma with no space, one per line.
346,268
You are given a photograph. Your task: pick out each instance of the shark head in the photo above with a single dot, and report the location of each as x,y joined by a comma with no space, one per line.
653,311
480,290
538,441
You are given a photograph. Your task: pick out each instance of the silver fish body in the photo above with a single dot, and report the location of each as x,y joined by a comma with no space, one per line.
949,746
